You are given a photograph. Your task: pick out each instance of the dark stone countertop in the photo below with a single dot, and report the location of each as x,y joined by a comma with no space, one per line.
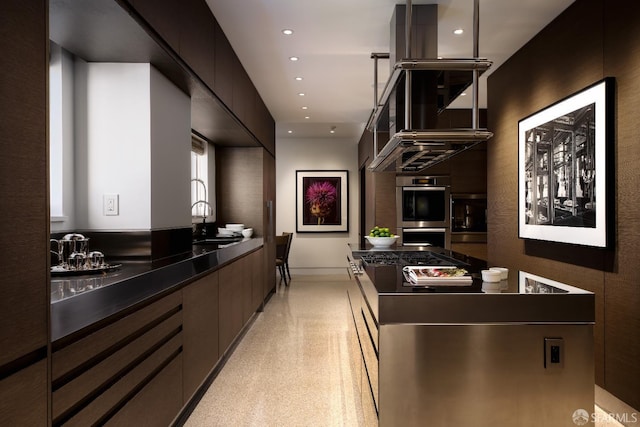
523,297
81,301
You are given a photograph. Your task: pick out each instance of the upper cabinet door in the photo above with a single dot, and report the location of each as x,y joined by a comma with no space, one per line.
161,16
243,94
224,60
197,39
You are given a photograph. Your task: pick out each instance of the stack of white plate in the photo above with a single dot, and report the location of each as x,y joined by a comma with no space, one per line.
237,228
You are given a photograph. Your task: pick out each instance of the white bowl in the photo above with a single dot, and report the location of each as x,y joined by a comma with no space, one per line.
235,227
491,287
247,232
504,272
381,242
225,231
490,276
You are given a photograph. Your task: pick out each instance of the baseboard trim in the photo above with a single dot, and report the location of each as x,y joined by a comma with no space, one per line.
339,271
624,413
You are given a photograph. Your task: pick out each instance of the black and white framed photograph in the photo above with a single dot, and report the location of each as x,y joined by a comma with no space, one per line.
322,201
562,169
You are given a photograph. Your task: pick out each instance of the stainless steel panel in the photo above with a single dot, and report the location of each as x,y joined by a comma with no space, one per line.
368,356
483,375
372,327
370,294
486,308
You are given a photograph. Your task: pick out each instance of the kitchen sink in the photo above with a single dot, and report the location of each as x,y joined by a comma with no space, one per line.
217,240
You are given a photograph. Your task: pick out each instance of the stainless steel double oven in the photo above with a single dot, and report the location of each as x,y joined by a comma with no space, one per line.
424,210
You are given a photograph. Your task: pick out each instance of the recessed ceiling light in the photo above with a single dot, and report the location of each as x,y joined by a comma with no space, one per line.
333,129
458,31
299,78
293,58
287,31
305,107
307,117
301,94
289,131
463,94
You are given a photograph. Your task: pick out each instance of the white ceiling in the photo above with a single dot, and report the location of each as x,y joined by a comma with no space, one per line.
334,40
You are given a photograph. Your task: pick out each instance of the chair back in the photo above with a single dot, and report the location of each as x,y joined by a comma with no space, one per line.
281,247
289,240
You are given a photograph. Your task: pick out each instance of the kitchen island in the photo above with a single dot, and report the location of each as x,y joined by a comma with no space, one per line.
518,352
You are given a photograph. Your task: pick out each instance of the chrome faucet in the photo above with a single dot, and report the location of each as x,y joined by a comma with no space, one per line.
203,186
204,216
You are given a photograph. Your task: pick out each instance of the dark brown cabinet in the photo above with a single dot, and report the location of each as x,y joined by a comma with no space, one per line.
244,95
246,193
200,330
258,284
24,218
158,403
230,304
269,218
161,16
95,376
198,39
246,277
223,67
264,130
23,397
192,32
142,368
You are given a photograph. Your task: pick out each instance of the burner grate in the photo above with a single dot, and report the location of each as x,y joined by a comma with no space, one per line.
424,258
407,258
381,258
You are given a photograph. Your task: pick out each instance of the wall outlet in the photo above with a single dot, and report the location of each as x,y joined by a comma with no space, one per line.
110,204
553,353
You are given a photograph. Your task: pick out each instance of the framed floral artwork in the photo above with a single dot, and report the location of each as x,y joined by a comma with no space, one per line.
565,169
322,201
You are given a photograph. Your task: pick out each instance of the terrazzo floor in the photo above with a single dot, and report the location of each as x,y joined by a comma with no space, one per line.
293,367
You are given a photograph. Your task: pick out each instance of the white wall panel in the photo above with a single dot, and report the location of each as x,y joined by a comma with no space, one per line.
315,252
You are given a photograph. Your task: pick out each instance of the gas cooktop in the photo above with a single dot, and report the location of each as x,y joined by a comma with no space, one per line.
407,258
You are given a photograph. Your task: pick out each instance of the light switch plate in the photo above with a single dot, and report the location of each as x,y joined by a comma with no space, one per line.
110,204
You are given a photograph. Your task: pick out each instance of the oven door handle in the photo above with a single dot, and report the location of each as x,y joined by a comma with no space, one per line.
422,230
423,188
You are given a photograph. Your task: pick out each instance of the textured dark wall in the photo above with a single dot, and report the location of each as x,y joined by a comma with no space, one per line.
591,40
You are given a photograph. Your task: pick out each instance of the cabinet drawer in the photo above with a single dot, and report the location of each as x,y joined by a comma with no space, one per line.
70,358
163,394
96,375
96,379
372,328
100,408
370,357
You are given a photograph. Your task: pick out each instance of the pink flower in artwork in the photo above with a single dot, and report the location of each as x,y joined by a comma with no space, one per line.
321,195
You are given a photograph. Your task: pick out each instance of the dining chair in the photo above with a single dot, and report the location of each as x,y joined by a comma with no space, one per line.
286,255
281,252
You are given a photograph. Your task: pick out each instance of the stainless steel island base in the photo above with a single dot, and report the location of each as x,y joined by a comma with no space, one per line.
483,375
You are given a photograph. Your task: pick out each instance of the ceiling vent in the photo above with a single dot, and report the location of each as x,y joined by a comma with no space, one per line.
420,87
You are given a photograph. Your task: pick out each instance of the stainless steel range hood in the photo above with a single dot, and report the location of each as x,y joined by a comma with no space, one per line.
429,85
